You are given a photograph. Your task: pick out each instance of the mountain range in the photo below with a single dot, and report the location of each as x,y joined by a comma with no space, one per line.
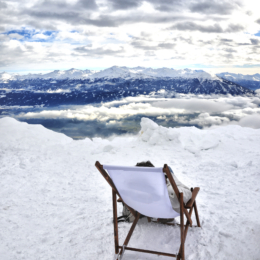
84,86
113,72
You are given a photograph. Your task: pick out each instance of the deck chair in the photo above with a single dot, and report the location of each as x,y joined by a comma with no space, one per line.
143,190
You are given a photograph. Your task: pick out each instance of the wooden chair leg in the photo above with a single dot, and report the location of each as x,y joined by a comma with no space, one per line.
115,221
181,253
185,233
129,234
196,213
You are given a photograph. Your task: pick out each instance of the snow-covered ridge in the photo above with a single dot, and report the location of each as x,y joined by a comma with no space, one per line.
114,72
56,74
234,76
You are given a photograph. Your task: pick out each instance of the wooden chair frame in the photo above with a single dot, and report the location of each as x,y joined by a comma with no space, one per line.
183,211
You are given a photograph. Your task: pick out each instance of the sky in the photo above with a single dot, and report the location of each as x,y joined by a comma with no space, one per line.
44,35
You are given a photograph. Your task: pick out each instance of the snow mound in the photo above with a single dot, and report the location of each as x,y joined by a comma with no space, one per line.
56,205
21,135
155,134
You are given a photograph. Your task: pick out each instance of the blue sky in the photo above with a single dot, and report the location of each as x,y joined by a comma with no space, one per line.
30,35
43,35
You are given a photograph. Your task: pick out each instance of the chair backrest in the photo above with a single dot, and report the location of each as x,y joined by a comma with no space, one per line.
143,189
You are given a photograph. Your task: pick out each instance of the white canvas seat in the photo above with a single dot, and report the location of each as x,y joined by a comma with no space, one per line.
143,189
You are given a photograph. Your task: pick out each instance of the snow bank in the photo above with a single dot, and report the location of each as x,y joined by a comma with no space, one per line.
56,205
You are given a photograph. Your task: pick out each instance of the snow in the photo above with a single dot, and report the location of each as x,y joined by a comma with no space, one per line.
56,205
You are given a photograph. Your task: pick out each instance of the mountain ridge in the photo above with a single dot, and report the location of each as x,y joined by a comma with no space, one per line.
249,81
113,72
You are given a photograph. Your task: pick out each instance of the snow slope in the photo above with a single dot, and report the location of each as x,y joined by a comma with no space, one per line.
56,205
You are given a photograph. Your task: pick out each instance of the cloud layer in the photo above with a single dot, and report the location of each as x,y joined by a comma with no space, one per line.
45,34
186,110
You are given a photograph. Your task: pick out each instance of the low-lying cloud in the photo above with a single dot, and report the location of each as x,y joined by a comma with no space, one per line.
185,110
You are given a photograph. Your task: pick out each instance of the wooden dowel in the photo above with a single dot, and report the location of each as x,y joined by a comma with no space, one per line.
182,227
187,226
130,232
185,233
196,213
115,221
194,194
104,174
148,251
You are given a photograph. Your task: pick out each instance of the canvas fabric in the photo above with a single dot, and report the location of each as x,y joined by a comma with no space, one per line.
143,189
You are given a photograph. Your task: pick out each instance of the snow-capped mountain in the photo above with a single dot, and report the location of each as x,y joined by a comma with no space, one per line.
56,74
247,81
65,74
114,72
84,86
142,72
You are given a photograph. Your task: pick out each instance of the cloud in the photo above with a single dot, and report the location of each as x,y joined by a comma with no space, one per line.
258,21
233,28
168,5
214,7
159,5
204,111
124,5
230,50
86,50
191,26
228,56
87,4
166,45
252,121
15,36
161,33
3,5
226,40
195,105
255,41
206,120
216,28
51,5
144,46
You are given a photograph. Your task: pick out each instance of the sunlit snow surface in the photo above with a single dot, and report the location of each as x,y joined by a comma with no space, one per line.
56,205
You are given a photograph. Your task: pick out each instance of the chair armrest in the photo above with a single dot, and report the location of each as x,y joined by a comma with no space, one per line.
193,197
